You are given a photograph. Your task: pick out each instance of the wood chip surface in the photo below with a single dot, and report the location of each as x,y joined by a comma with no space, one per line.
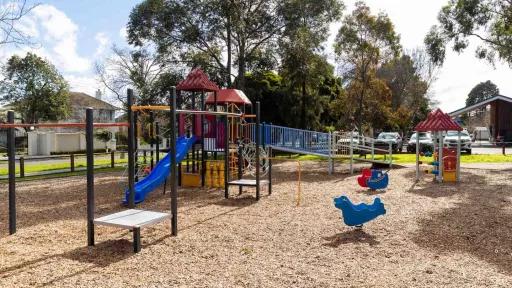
433,235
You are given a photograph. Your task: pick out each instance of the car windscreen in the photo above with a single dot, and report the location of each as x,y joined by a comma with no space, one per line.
455,133
423,136
386,136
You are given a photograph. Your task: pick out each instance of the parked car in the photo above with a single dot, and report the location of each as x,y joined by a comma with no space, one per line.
451,138
480,134
425,139
385,138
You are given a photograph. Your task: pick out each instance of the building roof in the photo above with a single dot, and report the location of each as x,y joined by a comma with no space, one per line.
228,96
437,121
84,100
479,104
197,81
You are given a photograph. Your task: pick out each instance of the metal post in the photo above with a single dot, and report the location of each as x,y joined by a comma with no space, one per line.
89,144
22,167
136,240
135,135
390,154
351,153
418,155
112,159
172,150
151,138
226,157
373,150
440,135
72,162
203,163
11,151
258,150
240,164
132,118
329,147
157,137
458,156
270,171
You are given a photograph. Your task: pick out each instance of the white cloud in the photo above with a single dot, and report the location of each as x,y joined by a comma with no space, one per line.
103,42
60,33
86,84
123,33
57,37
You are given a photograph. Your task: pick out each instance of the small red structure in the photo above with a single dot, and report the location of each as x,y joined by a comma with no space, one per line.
228,96
437,121
197,81
448,166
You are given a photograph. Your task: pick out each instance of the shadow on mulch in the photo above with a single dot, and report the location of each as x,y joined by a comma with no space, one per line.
354,236
480,225
103,253
243,201
370,192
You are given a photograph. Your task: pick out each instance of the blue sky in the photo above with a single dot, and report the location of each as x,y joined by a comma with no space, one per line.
74,35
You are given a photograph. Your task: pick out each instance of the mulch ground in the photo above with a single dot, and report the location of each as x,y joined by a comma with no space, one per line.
433,235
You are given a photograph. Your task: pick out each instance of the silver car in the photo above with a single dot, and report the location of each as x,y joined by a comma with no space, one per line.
451,138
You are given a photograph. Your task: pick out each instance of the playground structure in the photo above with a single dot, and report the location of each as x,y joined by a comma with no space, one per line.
374,179
446,164
222,140
358,214
332,145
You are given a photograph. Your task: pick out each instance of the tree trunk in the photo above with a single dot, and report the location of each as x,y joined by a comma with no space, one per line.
228,43
241,66
303,108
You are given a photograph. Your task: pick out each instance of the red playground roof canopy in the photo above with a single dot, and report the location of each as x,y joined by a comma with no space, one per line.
232,96
197,81
437,121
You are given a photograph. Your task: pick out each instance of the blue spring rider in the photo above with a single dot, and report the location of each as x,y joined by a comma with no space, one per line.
358,214
378,181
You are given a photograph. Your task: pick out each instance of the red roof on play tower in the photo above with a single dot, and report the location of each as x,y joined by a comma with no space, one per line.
197,81
437,121
225,96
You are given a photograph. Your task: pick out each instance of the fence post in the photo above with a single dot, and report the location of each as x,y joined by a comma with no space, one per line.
390,155
112,159
351,153
329,146
72,162
22,167
373,150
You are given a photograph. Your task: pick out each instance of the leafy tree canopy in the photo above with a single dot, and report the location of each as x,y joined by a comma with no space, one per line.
482,91
488,21
364,42
35,89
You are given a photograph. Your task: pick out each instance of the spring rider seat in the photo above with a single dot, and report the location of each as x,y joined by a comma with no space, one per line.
378,181
367,173
358,214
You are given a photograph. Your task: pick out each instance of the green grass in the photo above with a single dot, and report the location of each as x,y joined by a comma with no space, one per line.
411,158
61,175
34,167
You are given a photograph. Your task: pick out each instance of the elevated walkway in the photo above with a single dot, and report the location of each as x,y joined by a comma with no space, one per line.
329,145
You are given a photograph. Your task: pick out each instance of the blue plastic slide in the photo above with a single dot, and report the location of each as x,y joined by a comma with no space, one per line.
160,171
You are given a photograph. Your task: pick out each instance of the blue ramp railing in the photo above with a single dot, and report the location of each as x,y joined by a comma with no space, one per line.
295,140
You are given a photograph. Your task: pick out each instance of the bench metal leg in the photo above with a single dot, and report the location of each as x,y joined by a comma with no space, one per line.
136,240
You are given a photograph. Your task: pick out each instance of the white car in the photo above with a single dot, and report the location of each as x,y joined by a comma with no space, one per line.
451,139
